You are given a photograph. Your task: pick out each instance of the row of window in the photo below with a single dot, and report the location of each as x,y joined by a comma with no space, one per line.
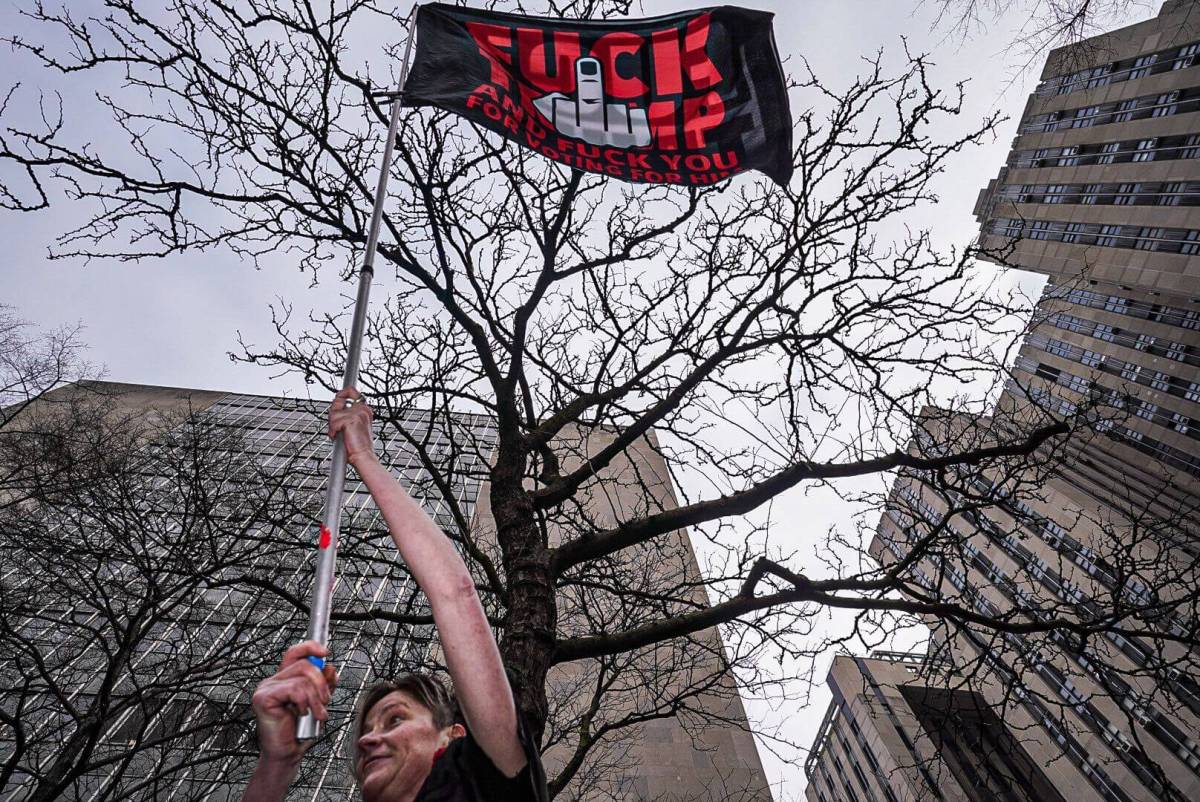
1179,386
1146,410
1143,310
1153,149
1165,104
296,414
1189,463
1142,238
1185,461
1139,341
1127,69
1149,193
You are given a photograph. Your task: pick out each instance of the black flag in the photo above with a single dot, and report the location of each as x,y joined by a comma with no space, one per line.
689,98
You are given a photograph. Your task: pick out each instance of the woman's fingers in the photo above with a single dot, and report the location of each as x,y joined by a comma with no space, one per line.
301,684
302,651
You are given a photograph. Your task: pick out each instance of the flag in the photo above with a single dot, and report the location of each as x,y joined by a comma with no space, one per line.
689,98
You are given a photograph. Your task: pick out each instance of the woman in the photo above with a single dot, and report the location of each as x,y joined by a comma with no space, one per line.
408,747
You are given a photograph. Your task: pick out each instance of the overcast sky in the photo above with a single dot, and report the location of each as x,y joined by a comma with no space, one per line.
173,322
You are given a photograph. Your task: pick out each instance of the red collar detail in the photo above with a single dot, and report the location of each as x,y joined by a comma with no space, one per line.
438,754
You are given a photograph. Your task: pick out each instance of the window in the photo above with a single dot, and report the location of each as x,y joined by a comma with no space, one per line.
1072,232
1144,152
1085,117
1076,383
1091,359
1180,422
1108,152
1160,380
1191,318
1146,410
1109,235
1040,229
1115,303
1048,372
1124,110
1193,391
1130,371
1191,242
1058,348
1185,59
1070,322
1145,342
1171,194
1149,238
1138,592
1126,194
1068,156
1177,351
1191,148
1055,530
1141,66
1165,105
1072,592
1103,331
1100,76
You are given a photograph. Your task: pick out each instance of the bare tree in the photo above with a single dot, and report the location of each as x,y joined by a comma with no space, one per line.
1044,25
115,674
36,440
758,339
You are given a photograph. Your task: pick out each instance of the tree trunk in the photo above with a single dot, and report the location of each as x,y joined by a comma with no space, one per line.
527,644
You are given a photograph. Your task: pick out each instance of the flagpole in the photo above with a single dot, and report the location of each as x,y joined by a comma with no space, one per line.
308,728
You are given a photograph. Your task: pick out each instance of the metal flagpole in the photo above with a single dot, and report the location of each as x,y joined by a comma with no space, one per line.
308,727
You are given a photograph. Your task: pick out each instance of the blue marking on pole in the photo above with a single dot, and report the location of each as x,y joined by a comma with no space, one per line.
319,662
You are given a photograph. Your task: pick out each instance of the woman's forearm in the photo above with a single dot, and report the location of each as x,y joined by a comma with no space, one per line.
270,781
434,561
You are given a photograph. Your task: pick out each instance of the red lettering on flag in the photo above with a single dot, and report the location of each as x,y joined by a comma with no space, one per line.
606,49
667,76
661,116
531,54
701,115
494,42
699,67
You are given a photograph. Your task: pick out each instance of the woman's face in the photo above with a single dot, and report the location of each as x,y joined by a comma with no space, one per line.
397,747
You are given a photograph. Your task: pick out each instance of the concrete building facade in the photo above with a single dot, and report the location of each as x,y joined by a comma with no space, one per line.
1101,194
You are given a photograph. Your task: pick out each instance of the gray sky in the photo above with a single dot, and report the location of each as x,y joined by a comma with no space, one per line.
173,322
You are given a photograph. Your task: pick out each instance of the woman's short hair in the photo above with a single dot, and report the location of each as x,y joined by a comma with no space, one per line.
426,689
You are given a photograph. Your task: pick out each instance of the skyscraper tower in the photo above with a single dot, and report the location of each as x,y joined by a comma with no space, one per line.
1101,194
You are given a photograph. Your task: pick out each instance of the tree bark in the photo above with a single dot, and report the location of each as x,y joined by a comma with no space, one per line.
527,645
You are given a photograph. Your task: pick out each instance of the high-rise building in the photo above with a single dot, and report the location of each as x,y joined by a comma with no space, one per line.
1101,194
898,729
169,718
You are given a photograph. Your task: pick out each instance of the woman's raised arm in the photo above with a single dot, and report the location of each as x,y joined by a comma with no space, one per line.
470,649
